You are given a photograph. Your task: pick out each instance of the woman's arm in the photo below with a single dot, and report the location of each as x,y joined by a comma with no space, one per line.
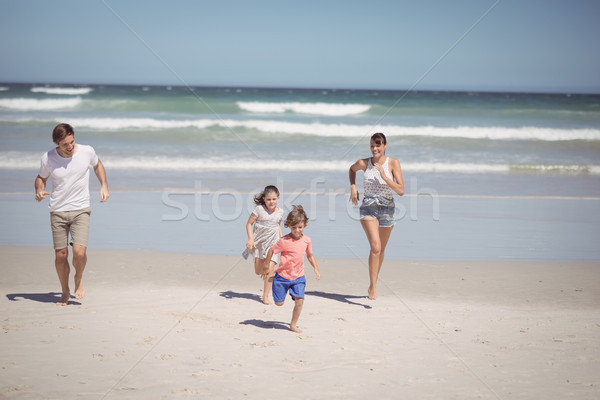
360,165
397,182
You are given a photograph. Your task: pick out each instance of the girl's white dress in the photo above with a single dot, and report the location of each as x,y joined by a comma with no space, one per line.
266,231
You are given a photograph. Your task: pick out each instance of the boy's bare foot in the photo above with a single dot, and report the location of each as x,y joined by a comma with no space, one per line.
79,290
295,329
64,299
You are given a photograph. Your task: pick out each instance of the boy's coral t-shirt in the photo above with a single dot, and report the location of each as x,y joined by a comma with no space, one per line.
291,265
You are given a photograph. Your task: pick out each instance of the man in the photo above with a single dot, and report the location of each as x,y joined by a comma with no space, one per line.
67,166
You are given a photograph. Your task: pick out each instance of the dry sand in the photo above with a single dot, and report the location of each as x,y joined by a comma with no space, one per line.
165,326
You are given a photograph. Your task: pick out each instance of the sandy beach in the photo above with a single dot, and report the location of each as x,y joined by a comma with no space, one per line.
157,325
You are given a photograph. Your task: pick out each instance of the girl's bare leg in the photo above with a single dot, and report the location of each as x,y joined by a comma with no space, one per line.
268,286
258,265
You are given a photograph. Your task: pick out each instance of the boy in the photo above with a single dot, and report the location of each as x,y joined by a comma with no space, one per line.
289,276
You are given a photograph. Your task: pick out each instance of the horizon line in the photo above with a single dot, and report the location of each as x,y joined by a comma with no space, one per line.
305,88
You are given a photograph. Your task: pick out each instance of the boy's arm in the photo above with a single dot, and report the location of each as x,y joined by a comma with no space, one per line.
313,262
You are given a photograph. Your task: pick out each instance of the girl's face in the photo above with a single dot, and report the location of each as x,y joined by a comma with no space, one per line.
296,230
271,200
377,149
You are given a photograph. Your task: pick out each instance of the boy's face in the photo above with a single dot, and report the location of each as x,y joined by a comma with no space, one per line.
296,230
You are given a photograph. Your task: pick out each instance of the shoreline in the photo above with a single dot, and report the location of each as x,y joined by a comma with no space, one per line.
156,324
443,228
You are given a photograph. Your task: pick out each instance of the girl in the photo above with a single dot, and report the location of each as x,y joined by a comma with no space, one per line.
382,178
266,231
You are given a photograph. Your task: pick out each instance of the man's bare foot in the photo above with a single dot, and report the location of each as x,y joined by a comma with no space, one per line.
372,294
64,299
294,328
79,291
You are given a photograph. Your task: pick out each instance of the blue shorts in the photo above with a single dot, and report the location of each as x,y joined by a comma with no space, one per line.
281,286
383,214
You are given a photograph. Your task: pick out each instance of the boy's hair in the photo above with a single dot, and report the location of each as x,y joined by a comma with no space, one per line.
379,138
61,131
296,216
259,199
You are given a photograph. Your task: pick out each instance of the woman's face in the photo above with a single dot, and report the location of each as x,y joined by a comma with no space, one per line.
377,148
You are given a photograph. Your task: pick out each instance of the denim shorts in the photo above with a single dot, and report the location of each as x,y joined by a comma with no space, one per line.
382,213
281,286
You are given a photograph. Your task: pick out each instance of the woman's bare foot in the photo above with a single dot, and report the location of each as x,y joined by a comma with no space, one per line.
372,294
294,328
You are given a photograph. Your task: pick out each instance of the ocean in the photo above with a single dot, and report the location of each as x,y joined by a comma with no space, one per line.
491,176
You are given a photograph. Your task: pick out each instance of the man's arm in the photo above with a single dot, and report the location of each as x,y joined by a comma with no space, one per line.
40,188
101,174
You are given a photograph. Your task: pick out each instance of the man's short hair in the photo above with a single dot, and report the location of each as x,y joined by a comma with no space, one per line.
61,131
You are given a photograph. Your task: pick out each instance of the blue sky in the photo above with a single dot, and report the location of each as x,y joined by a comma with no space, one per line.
486,45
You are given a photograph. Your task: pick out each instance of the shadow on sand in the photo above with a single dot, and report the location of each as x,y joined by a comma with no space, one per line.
344,298
235,295
266,324
50,297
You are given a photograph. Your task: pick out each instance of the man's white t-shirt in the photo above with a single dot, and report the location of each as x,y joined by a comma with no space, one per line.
70,177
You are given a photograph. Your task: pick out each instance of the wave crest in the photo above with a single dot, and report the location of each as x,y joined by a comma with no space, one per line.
60,90
327,109
346,130
15,160
25,104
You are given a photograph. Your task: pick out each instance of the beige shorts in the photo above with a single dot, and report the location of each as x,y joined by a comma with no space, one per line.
76,222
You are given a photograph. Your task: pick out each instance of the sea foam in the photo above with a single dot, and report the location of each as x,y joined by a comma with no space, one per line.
25,104
328,109
16,160
61,90
345,130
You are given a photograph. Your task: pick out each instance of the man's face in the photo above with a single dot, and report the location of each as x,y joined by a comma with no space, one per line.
67,146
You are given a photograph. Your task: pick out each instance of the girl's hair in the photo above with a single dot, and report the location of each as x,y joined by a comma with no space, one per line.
379,138
259,199
296,216
61,131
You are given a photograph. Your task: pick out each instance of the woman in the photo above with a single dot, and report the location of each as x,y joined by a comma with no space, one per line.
382,178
